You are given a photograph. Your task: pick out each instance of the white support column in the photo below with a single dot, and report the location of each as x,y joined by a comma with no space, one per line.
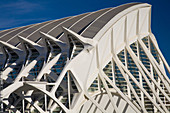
23,103
159,52
129,84
112,61
152,59
94,102
49,94
113,71
109,93
126,64
141,66
122,95
140,76
152,73
104,83
114,86
146,79
155,65
69,85
136,82
45,96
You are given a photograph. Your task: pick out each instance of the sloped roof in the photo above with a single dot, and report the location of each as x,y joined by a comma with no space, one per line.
87,25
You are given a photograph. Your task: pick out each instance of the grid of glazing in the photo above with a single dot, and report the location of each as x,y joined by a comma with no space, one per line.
119,79
157,58
94,86
59,65
108,71
145,60
75,46
30,56
36,69
143,57
13,74
13,58
134,71
154,52
53,49
62,91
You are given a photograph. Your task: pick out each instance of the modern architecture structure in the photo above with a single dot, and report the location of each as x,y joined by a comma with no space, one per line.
107,61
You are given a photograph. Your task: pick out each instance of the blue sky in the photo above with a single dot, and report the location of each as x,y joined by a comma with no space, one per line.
16,13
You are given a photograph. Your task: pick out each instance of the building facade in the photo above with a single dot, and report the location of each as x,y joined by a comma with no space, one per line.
99,62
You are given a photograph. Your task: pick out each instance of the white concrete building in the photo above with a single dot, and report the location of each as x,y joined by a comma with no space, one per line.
98,62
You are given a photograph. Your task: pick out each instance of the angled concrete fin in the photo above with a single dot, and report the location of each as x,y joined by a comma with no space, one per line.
85,41
57,41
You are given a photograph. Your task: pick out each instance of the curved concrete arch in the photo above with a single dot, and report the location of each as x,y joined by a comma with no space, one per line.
103,61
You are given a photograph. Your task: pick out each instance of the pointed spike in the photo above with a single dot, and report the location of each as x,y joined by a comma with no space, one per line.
15,49
38,47
60,43
85,41
28,41
9,45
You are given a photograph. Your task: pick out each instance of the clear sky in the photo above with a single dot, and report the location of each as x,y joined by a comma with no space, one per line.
16,13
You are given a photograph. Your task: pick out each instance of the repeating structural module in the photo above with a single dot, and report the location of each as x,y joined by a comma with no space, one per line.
105,61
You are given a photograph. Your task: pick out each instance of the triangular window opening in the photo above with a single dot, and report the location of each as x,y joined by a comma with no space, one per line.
94,86
66,87
74,88
59,91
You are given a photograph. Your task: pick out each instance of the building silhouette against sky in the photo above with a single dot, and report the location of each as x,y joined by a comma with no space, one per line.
104,61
